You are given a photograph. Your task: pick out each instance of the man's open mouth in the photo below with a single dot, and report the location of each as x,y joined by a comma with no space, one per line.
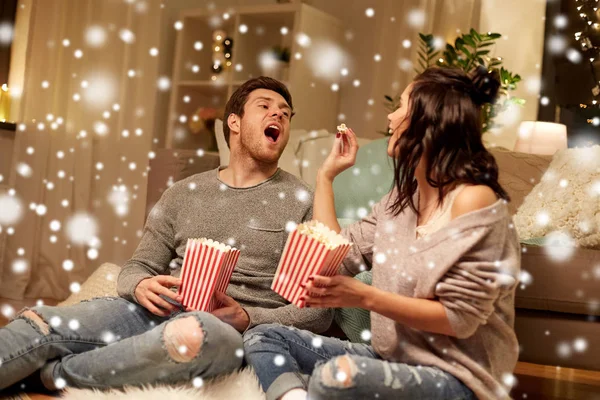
272,133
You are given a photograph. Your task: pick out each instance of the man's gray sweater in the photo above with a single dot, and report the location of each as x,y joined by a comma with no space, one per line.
252,219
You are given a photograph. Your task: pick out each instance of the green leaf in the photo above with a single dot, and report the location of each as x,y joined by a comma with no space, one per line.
388,98
469,40
482,53
494,36
474,34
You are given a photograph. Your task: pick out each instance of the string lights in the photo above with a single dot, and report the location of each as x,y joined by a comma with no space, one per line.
588,12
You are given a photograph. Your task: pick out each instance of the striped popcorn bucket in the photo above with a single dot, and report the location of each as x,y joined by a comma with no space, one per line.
207,267
304,256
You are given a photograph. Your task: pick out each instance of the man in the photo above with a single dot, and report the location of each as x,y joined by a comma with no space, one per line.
144,336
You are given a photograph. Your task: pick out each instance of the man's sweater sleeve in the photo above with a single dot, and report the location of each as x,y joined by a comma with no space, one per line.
155,251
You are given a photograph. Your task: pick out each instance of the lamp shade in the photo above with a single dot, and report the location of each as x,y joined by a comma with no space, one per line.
537,137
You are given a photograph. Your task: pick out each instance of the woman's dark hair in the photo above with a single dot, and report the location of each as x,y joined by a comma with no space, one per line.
444,116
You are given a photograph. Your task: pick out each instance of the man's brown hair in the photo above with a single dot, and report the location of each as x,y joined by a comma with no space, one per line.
237,101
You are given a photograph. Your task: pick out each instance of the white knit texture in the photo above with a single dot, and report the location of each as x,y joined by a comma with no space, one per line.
567,199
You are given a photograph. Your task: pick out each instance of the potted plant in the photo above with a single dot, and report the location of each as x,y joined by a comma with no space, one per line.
468,52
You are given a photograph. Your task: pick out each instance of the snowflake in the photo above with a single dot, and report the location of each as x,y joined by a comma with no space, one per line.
302,195
197,382
108,337
24,170
365,335
239,353
574,56
380,258
95,36
164,83
405,64
7,311
60,383
55,321
303,39
556,44
356,171
92,254
290,226
431,265
54,225
74,324
74,287
81,228
362,212
580,345
279,360
563,349
356,83
100,128
509,380
317,342
19,265
561,21
11,209
369,12
560,246
416,18
341,376
542,218
525,278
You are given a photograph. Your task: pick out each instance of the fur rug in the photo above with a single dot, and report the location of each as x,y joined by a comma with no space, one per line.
242,385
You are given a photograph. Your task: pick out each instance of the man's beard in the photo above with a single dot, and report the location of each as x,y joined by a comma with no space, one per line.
253,148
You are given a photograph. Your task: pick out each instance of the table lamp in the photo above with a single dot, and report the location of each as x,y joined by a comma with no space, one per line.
538,137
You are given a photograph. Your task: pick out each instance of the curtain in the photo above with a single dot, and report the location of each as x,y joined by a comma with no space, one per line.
85,112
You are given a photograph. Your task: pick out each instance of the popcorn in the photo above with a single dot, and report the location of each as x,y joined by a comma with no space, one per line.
342,128
311,249
207,267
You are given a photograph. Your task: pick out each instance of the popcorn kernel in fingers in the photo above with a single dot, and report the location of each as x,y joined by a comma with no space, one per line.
342,128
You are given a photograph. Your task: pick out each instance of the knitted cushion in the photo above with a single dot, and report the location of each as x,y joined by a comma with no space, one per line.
356,322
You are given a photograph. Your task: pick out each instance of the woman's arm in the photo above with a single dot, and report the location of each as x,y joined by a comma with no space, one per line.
324,205
422,314
342,157
342,291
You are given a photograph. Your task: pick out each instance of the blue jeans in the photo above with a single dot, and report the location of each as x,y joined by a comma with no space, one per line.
285,358
111,342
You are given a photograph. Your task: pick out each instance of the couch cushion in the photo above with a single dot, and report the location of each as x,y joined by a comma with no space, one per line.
569,196
519,173
371,178
568,286
102,283
313,149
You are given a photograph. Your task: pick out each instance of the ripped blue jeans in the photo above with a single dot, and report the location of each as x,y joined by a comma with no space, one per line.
111,342
286,358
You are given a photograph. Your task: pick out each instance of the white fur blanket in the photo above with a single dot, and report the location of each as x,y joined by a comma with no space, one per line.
242,385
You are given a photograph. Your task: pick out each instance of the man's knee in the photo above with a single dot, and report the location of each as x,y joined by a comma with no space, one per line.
184,339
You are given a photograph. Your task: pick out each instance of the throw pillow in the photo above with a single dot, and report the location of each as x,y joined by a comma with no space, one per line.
567,199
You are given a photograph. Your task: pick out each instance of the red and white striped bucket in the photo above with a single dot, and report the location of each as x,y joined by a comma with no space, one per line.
205,269
303,257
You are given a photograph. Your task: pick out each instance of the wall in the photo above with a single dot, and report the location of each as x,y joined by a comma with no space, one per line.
522,47
361,107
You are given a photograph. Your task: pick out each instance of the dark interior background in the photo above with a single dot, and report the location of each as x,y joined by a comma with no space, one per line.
566,84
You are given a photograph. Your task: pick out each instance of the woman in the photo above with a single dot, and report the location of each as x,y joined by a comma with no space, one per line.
444,256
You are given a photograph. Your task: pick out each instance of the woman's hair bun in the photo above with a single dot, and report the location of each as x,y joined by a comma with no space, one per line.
486,85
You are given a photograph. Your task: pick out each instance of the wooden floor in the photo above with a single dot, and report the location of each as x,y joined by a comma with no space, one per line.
533,381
